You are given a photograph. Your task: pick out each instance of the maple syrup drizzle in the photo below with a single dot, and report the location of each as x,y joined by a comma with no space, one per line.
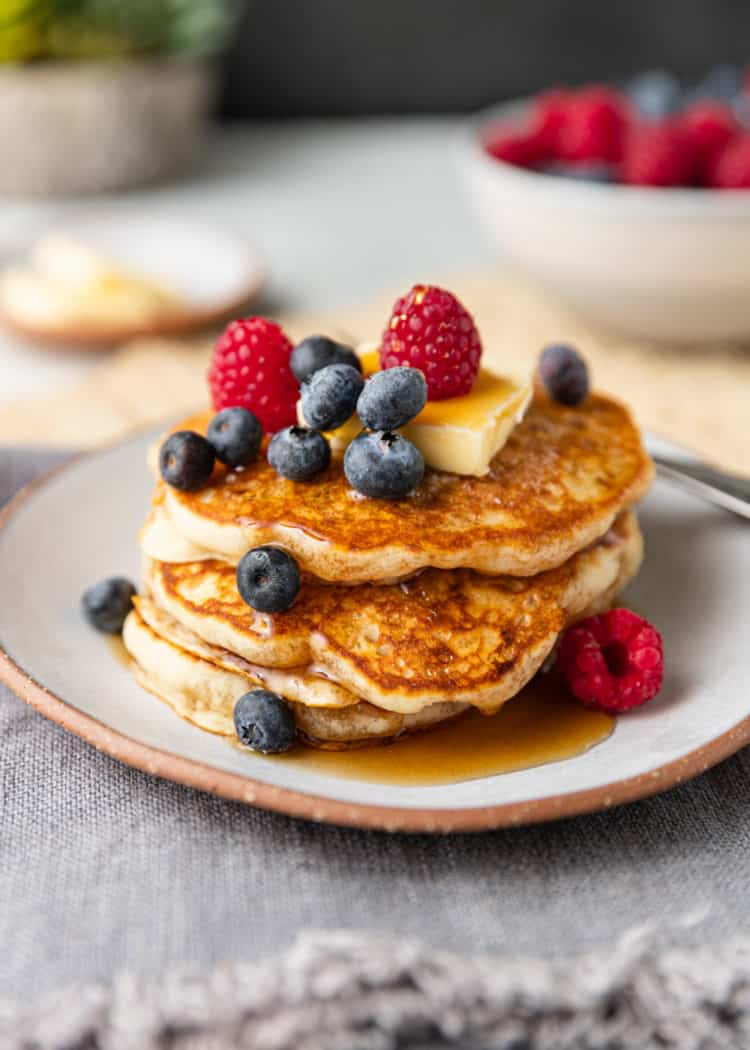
541,725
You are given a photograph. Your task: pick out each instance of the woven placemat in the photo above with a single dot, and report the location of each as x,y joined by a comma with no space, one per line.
698,397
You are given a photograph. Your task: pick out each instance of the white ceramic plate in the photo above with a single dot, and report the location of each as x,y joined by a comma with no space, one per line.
215,272
80,524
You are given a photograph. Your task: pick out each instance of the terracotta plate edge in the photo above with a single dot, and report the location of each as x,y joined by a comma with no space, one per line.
236,787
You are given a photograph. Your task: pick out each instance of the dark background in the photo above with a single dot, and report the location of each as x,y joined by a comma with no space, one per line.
307,57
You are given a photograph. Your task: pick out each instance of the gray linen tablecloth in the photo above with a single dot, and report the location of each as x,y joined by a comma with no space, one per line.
104,869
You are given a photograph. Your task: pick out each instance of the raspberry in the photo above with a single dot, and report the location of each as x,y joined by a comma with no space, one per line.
612,662
709,126
658,155
514,147
729,169
548,118
430,330
593,126
250,369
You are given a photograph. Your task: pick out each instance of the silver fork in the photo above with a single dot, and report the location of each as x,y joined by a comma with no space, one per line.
729,491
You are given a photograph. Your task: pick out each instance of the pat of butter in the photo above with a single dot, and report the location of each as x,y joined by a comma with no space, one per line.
68,284
462,434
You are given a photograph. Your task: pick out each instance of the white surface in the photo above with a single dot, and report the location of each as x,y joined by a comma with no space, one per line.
695,586
338,209
664,264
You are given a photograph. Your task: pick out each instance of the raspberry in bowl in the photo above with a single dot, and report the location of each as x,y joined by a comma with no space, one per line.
641,222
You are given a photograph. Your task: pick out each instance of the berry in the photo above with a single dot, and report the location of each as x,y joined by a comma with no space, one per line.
298,453
723,83
250,369
658,155
264,722
383,465
564,374
318,351
186,460
430,330
730,168
391,398
268,579
548,118
654,94
709,126
235,435
515,147
612,662
329,396
107,603
595,122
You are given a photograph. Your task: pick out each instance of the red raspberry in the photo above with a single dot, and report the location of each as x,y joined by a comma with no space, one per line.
612,662
709,126
430,330
514,147
658,155
250,369
729,169
594,125
548,117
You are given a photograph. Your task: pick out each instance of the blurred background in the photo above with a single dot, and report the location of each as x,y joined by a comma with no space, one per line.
206,157
288,57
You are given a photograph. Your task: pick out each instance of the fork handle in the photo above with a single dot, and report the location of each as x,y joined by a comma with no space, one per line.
729,491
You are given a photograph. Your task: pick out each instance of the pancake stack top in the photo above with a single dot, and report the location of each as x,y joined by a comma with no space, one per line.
406,610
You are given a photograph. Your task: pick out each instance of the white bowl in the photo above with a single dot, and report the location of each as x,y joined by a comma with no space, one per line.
665,264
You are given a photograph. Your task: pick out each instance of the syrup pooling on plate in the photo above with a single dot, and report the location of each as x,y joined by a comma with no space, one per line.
541,725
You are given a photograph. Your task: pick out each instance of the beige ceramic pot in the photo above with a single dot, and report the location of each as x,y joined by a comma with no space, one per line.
89,127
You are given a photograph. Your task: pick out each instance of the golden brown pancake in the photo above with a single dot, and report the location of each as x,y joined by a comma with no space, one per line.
555,487
204,691
441,636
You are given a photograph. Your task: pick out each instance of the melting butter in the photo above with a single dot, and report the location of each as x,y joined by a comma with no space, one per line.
462,434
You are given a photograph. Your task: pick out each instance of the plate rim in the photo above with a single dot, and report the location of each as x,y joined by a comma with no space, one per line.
239,788
189,319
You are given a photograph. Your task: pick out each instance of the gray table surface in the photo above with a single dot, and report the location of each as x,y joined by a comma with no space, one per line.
103,868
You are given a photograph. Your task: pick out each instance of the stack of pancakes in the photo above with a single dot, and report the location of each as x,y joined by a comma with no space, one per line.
409,611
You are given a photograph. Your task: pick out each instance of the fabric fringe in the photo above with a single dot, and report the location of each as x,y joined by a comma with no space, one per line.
353,991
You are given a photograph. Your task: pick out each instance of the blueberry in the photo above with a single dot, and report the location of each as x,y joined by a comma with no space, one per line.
107,603
268,579
298,453
654,93
264,722
383,465
235,435
564,374
318,351
582,172
391,398
186,460
723,83
329,396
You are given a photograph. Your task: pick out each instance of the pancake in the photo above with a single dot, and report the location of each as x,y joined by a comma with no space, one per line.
555,487
303,684
204,693
441,636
